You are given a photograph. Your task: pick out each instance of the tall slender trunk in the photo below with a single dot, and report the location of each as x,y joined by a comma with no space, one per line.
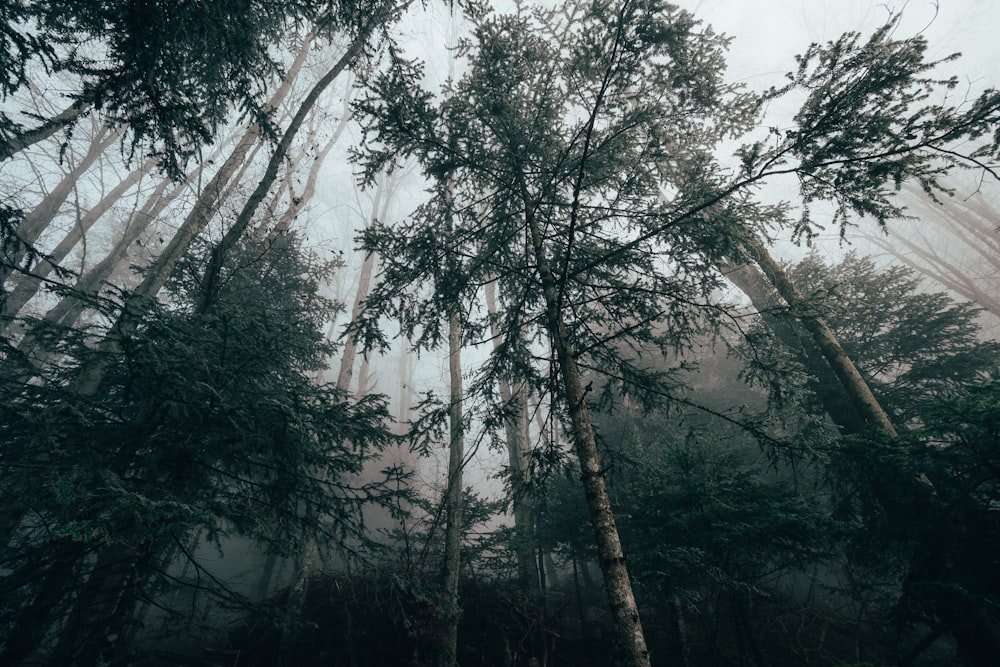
364,286
28,284
310,551
855,386
448,654
624,610
242,222
37,220
515,405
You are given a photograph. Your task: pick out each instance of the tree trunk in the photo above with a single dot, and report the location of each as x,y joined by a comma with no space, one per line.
515,424
28,284
855,386
364,286
624,611
70,307
239,227
298,202
36,221
789,331
448,653
64,118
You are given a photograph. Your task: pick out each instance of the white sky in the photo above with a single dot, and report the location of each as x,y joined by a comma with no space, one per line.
767,33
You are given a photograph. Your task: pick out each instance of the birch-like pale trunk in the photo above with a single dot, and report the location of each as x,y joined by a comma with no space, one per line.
299,201
37,220
68,310
207,204
854,384
28,284
621,600
453,499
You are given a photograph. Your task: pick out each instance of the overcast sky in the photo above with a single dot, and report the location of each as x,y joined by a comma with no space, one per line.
767,33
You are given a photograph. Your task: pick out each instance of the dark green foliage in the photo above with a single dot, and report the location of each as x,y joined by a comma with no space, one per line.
572,121
923,516
208,422
874,116
911,346
703,521
169,70
915,514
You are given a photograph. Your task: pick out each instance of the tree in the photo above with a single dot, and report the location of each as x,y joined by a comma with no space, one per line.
918,351
567,131
209,419
953,242
170,72
543,174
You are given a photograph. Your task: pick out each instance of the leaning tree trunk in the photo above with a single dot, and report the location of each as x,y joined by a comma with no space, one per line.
749,279
624,610
855,386
64,118
902,497
28,284
37,220
205,207
214,269
298,202
69,309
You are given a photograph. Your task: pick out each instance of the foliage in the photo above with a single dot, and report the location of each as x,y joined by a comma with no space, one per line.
171,71
208,423
873,118
910,345
923,517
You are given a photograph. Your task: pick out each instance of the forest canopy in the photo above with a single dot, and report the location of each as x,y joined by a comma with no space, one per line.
311,357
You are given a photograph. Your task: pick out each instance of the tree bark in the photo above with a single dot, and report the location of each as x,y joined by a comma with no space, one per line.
787,329
64,118
516,430
298,202
453,500
36,221
624,610
239,227
70,308
364,286
855,386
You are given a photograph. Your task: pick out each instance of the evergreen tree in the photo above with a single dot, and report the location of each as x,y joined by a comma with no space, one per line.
209,420
581,145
